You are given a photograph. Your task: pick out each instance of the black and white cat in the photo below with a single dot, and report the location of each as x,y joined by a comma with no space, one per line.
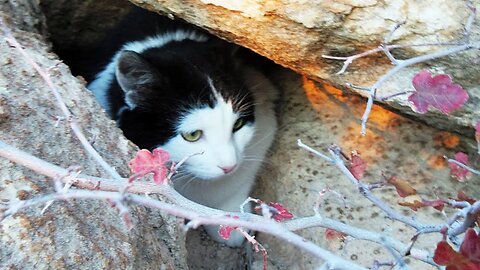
187,92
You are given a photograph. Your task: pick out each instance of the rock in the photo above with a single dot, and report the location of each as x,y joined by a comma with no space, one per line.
320,116
296,33
79,234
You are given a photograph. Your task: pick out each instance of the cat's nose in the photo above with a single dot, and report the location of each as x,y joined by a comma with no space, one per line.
228,169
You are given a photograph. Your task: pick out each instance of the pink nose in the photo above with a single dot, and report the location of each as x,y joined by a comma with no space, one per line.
228,169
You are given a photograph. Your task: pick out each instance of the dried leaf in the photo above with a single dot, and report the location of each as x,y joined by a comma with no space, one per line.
402,187
438,91
150,162
456,171
331,234
357,166
415,202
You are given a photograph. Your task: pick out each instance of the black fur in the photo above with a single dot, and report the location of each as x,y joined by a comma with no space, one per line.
174,79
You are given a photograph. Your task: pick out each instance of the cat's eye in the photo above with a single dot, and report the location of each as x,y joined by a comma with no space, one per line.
238,124
192,136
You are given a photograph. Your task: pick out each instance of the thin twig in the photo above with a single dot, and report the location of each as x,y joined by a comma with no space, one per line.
63,107
472,170
94,183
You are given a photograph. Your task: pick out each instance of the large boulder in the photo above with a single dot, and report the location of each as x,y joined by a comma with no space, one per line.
78,234
296,33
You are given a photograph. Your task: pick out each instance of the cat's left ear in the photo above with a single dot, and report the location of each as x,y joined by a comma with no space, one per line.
136,76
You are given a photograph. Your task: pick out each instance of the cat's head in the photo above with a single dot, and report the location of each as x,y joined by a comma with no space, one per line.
186,106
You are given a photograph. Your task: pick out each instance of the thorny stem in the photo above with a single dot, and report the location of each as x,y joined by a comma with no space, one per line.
182,204
71,119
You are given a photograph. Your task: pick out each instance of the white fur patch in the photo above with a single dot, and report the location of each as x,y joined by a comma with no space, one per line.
220,146
103,79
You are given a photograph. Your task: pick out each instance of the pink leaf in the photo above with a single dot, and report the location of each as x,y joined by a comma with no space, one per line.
438,91
147,162
468,258
470,247
226,231
461,174
279,213
357,166
331,234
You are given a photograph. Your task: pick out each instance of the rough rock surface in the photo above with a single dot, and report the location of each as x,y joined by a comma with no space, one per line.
78,234
296,33
320,116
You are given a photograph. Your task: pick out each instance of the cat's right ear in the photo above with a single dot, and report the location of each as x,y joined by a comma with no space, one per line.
136,76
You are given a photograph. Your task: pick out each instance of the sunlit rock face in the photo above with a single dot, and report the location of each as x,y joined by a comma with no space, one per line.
296,33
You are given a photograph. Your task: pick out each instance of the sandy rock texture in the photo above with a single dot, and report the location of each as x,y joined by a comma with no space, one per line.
296,33
78,234
320,116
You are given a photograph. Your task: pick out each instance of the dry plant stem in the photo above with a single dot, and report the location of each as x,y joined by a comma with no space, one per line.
468,213
71,119
472,170
94,183
349,59
267,226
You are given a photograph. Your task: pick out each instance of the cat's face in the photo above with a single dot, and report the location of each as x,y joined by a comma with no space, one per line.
187,112
218,134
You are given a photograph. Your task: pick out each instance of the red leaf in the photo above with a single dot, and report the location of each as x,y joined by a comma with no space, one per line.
146,162
438,91
437,204
279,212
447,256
467,259
357,166
402,187
225,231
331,234
470,247
461,174
462,196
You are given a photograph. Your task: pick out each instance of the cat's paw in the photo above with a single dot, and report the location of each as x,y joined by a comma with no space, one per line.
236,238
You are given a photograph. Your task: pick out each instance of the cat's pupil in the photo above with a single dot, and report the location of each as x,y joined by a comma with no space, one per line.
238,124
192,136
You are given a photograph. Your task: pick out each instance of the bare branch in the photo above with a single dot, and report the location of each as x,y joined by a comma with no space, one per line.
470,169
75,126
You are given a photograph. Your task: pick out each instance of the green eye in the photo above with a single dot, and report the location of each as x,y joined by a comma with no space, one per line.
192,136
238,124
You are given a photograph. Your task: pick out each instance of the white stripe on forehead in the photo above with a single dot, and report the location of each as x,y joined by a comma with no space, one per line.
216,122
216,94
